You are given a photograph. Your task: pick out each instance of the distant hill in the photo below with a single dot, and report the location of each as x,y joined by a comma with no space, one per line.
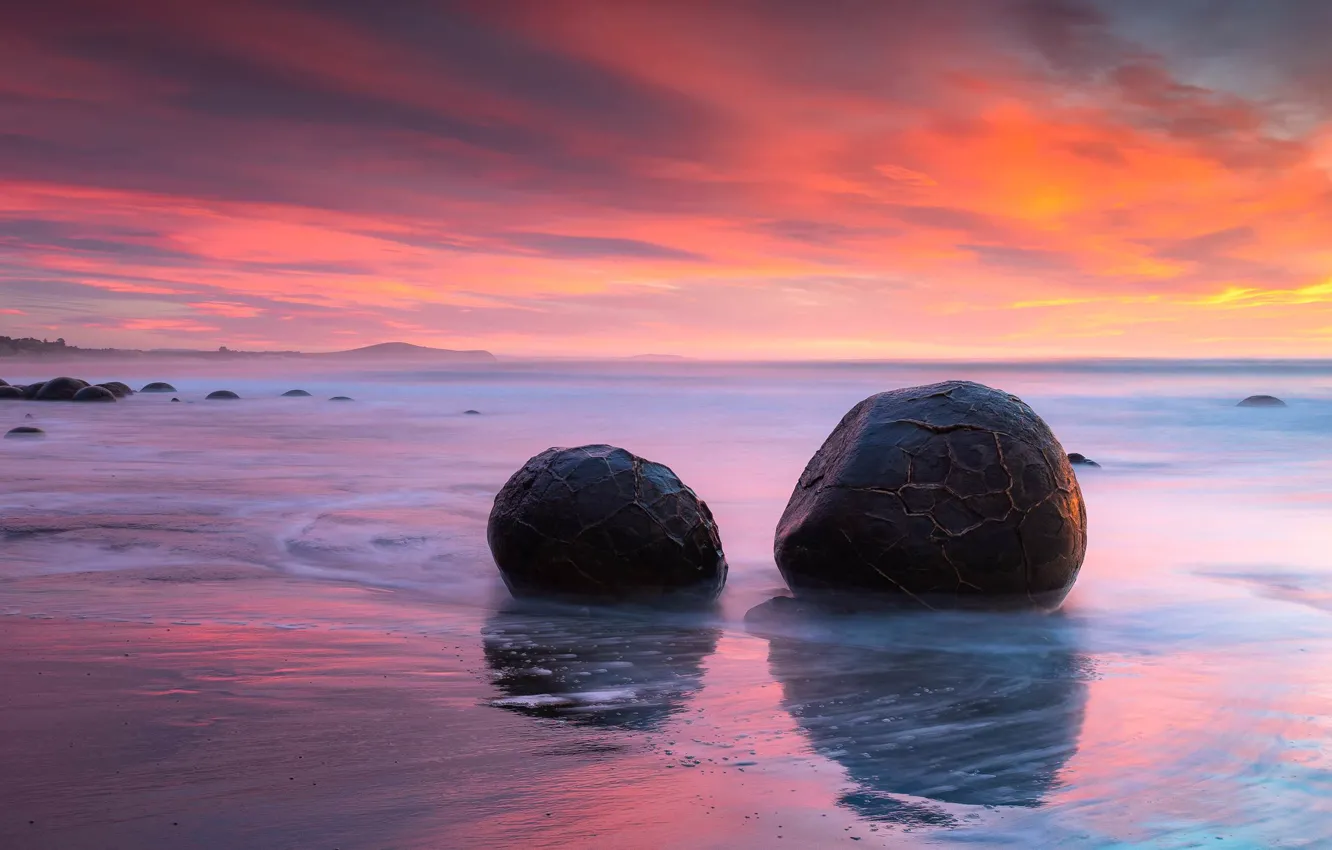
405,350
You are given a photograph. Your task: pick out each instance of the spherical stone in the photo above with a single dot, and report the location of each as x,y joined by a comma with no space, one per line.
951,494
120,390
158,387
11,393
94,394
25,432
221,395
60,389
1261,401
598,522
339,398
31,390
295,394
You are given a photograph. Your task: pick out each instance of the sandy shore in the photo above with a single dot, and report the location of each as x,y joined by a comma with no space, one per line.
369,725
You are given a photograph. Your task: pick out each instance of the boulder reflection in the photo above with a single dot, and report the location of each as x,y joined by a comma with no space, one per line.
596,667
923,709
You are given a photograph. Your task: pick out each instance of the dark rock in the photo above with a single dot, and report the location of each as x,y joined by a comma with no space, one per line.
27,416
1081,460
158,387
176,400
600,668
1261,401
598,522
3,382
295,394
119,389
472,412
340,398
31,390
60,389
94,394
11,393
952,494
929,711
25,432
221,395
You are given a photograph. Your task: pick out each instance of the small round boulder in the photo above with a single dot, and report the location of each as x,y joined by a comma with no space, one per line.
596,522
339,398
118,389
60,389
158,387
947,495
25,432
295,394
471,413
94,394
8,393
1261,401
222,395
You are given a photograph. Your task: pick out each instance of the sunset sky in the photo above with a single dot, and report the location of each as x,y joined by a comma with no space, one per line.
738,179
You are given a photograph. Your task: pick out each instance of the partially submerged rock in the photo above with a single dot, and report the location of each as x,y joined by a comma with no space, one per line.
471,413
221,395
31,390
952,494
118,389
94,394
25,432
8,393
295,394
340,398
158,387
1261,401
60,389
1081,460
597,522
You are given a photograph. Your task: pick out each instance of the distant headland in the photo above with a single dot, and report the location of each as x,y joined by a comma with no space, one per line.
30,348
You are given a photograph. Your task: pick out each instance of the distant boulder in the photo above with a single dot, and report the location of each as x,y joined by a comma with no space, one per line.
25,432
31,390
176,400
1261,401
94,394
341,398
158,387
60,389
222,395
295,394
118,389
471,412
1081,460
8,393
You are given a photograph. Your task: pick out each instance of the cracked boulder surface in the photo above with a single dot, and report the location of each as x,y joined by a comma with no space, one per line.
951,494
597,522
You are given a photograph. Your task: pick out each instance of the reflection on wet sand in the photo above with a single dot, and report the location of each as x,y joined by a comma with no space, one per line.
968,709
595,667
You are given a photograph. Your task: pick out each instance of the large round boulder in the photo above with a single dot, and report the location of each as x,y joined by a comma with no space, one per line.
158,387
951,494
118,389
600,523
8,393
60,389
31,390
1261,401
94,394
221,395
296,394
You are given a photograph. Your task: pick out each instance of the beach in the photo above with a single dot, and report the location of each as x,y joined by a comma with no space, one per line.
274,622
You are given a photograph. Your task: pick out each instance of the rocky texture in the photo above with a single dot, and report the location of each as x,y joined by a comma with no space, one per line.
942,495
94,394
60,389
158,387
340,398
8,393
120,390
601,668
1081,460
598,522
1261,401
927,712
295,394
25,432
222,395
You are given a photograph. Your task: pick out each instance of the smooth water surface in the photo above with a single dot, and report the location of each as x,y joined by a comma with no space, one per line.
1179,699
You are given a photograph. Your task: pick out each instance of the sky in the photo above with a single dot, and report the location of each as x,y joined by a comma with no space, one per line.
710,178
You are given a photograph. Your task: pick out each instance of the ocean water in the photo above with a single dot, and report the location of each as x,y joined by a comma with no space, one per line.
1179,699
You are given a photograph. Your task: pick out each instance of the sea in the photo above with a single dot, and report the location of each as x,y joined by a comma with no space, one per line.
1180,698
